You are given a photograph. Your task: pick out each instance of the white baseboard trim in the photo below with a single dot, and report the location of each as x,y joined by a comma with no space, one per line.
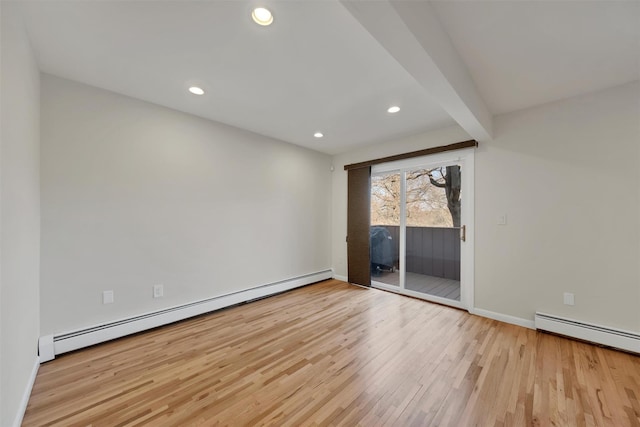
69,341
343,278
45,348
17,422
503,318
611,337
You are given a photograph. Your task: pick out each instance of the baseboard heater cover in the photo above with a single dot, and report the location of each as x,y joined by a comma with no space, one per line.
52,345
611,337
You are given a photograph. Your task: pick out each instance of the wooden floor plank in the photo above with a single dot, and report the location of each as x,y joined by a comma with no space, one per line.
336,354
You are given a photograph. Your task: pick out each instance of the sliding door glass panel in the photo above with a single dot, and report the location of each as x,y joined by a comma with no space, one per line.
432,251
385,228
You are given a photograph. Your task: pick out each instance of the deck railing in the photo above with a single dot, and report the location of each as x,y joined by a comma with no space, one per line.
434,251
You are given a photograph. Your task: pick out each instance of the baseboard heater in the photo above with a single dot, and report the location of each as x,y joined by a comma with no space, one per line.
624,340
52,345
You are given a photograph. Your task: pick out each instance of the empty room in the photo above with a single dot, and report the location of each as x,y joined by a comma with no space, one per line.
322,212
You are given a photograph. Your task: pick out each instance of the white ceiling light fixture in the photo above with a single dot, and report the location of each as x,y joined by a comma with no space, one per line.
262,16
318,135
196,90
393,109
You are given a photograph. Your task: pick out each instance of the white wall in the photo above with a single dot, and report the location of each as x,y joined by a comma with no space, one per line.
20,215
134,194
567,175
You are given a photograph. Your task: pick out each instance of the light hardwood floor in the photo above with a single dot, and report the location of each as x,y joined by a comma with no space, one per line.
337,354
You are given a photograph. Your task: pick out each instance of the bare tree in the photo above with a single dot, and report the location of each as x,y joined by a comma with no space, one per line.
450,180
385,199
427,204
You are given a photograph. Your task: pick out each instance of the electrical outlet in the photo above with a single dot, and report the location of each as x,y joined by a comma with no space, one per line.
569,298
107,297
502,219
158,291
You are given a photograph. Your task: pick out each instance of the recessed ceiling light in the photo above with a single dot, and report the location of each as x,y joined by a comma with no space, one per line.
196,90
318,135
393,109
262,16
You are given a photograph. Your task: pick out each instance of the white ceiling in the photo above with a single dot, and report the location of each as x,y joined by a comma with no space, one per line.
319,67
526,53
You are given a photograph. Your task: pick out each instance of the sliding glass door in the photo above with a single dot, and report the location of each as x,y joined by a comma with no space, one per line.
432,244
419,230
385,228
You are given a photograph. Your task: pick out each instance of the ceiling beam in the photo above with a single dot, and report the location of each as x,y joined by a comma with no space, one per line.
413,35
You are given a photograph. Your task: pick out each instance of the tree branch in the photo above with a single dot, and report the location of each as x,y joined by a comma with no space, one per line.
436,183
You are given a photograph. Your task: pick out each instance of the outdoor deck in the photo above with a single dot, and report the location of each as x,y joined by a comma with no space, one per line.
436,286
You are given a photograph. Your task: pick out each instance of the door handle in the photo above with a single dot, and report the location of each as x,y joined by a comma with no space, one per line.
463,233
